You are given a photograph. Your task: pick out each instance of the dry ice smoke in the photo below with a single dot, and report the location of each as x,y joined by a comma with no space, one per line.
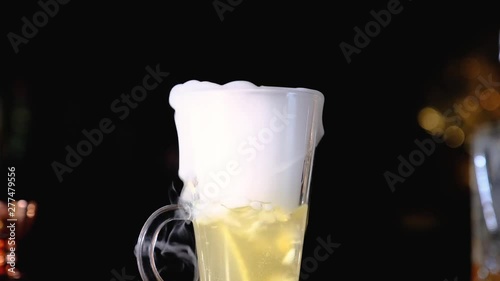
175,252
239,142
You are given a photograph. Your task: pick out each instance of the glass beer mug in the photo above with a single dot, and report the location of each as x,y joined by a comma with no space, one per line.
485,203
245,159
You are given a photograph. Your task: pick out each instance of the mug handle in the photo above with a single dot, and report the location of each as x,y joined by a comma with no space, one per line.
146,243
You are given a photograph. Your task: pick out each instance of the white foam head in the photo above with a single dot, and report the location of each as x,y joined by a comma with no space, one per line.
240,143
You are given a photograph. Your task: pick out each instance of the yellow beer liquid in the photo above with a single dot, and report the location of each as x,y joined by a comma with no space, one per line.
248,244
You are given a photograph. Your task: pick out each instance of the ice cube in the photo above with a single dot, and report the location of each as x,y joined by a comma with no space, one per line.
289,257
256,205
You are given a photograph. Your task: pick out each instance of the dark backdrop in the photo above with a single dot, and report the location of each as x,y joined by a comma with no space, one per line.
88,54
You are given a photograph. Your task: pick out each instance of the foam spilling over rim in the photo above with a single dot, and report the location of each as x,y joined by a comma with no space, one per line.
194,101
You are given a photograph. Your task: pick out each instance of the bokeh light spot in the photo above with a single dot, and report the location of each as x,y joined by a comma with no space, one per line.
430,119
454,136
490,99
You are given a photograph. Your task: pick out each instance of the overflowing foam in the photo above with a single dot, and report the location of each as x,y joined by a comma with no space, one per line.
243,145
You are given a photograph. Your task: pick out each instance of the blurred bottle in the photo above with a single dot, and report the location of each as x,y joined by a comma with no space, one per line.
485,202
15,118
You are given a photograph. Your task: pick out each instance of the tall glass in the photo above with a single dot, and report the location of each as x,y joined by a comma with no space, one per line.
485,203
245,158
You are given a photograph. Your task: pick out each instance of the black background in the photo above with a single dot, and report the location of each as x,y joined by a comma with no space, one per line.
91,53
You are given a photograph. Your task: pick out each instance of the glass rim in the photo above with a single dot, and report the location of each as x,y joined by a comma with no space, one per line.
267,90
245,88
